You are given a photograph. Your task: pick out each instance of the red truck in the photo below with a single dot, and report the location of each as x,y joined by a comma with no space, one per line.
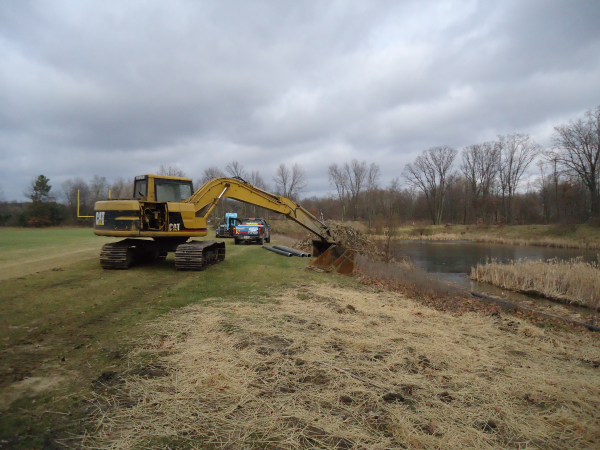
252,230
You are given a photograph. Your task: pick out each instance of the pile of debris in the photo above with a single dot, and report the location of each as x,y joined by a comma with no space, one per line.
348,237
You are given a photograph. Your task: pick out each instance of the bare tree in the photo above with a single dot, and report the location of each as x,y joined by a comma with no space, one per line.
298,183
480,165
121,188
431,174
282,180
170,170
210,174
236,170
387,200
577,147
290,183
371,187
68,197
98,188
556,178
339,179
543,184
517,152
355,172
257,180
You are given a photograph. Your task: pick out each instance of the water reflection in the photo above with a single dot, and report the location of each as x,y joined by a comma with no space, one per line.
460,256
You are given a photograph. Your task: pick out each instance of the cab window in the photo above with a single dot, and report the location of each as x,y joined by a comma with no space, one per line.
140,189
172,190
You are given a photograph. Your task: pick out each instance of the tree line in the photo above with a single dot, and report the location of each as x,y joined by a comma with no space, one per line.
489,183
51,207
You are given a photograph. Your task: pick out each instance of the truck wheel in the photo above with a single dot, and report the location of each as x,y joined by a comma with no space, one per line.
236,242
269,239
261,241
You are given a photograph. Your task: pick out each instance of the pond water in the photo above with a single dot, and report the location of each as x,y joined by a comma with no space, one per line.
460,256
452,262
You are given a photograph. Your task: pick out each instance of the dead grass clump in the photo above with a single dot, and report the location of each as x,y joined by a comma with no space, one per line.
554,242
349,237
403,274
326,367
571,281
404,277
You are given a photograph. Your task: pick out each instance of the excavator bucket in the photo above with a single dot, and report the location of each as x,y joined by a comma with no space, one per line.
332,258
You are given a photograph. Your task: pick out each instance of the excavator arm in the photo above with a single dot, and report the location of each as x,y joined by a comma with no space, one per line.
331,256
208,196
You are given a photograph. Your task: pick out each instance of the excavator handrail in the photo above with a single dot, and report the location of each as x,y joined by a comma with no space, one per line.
208,196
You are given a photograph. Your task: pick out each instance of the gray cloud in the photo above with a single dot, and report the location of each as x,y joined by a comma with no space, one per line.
117,89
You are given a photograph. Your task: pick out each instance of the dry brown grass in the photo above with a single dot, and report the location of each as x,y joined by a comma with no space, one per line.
572,281
539,242
327,367
405,277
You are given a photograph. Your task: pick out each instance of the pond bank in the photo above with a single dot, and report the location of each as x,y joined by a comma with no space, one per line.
575,282
574,236
452,261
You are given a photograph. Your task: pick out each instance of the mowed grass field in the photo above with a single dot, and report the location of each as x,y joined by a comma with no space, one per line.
259,352
65,321
24,251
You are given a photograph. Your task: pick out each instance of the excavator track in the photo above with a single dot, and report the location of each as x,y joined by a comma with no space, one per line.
116,256
196,255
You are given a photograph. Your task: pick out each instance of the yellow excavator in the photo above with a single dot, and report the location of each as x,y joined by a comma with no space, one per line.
165,213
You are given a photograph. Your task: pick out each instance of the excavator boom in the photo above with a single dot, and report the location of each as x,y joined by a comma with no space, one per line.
208,196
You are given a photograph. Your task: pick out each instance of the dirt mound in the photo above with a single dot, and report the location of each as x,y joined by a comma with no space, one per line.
349,237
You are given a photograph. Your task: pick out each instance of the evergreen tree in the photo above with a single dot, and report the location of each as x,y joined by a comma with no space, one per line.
40,190
42,211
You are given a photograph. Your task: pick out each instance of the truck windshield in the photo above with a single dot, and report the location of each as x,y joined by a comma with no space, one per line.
172,190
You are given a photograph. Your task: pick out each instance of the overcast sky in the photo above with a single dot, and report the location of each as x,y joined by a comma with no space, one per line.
118,88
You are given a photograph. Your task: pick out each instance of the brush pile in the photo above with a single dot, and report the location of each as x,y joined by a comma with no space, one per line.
349,237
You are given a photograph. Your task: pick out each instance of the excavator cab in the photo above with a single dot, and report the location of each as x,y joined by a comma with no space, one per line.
152,188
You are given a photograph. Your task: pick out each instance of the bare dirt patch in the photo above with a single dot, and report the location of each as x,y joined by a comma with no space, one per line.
39,263
330,367
28,387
